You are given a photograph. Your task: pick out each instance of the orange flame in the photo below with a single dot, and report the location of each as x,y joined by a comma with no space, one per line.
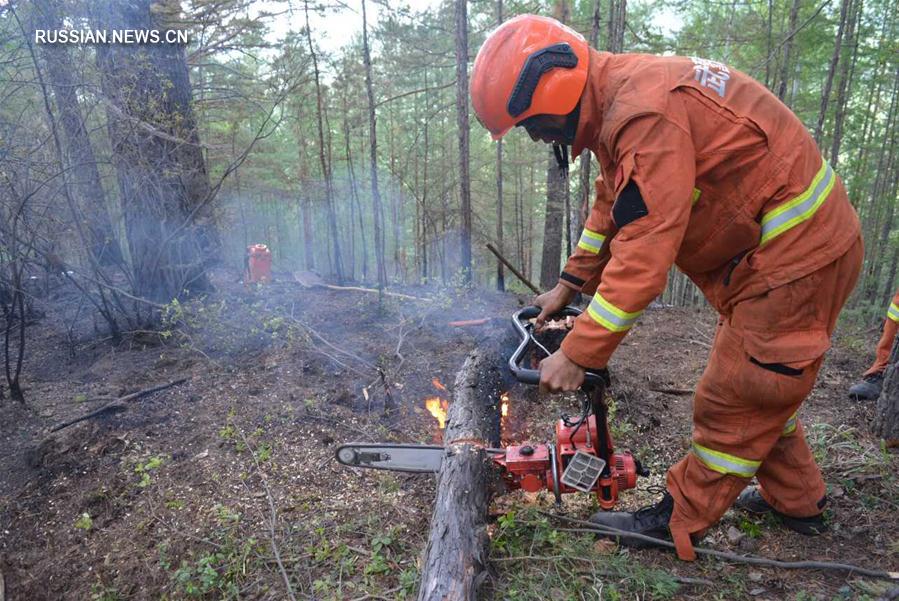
437,407
438,385
504,407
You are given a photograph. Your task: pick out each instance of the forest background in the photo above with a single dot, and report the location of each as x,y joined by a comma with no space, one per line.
339,134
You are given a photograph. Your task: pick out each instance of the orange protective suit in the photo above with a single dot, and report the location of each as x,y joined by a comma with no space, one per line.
733,190
885,345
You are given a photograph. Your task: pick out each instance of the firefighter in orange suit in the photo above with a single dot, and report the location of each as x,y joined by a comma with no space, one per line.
869,386
706,169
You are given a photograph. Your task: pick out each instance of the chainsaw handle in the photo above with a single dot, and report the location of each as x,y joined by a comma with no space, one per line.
524,327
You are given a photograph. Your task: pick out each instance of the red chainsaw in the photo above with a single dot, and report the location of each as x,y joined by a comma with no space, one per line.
582,459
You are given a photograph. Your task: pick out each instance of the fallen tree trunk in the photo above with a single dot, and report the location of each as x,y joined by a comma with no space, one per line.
455,563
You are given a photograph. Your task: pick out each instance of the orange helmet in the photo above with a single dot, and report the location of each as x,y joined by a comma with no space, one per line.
528,66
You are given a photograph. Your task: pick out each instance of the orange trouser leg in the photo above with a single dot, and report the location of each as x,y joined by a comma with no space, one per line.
884,346
790,480
739,414
744,415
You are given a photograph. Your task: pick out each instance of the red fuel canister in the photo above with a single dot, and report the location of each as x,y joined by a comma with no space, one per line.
259,264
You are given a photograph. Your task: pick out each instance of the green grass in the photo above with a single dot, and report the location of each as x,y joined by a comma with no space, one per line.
535,560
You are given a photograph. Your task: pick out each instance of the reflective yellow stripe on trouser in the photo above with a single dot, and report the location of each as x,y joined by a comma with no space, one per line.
609,316
724,463
591,241
893,312
790,426
802,208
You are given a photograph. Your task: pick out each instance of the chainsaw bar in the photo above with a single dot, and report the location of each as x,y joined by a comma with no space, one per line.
414,458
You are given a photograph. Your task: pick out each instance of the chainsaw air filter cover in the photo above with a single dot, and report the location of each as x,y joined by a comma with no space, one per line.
583,471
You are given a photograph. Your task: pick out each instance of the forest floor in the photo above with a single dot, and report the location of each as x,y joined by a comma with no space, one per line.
225,486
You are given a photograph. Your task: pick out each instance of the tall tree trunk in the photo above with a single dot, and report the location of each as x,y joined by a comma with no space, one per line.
355,193
840,114
519,218
845,7
586,162
424,187
768,43
325,163
556,218
788,48
84,177
373,142
552,225
881,187
617,21
500,270
306,208
462,123
165,191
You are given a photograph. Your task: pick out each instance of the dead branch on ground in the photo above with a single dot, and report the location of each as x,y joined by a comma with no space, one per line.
119,404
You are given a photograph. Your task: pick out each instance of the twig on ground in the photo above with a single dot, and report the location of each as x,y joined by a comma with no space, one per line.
116,405
272,517
333,347
385,595
674,391
590,527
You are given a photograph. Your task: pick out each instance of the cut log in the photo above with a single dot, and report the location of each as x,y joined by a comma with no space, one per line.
455,563
886,421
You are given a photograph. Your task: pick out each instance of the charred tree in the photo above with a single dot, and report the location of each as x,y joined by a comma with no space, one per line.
455,562
160,167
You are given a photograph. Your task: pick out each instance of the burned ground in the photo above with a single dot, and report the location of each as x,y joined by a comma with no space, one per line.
220,486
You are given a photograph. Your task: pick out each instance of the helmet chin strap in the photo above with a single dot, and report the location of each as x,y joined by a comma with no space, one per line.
568,133
561,152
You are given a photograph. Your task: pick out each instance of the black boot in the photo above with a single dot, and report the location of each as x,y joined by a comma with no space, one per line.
867,389
751,500
649,521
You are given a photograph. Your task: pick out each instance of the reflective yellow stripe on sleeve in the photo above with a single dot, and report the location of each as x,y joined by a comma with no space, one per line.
790,426
893,312
802,208
591,241
696,195
609,316
725,464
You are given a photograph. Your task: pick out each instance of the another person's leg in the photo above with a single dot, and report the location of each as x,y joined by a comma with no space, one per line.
872,380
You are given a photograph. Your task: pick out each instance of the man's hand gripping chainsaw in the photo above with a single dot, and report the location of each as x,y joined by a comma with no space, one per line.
581,460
